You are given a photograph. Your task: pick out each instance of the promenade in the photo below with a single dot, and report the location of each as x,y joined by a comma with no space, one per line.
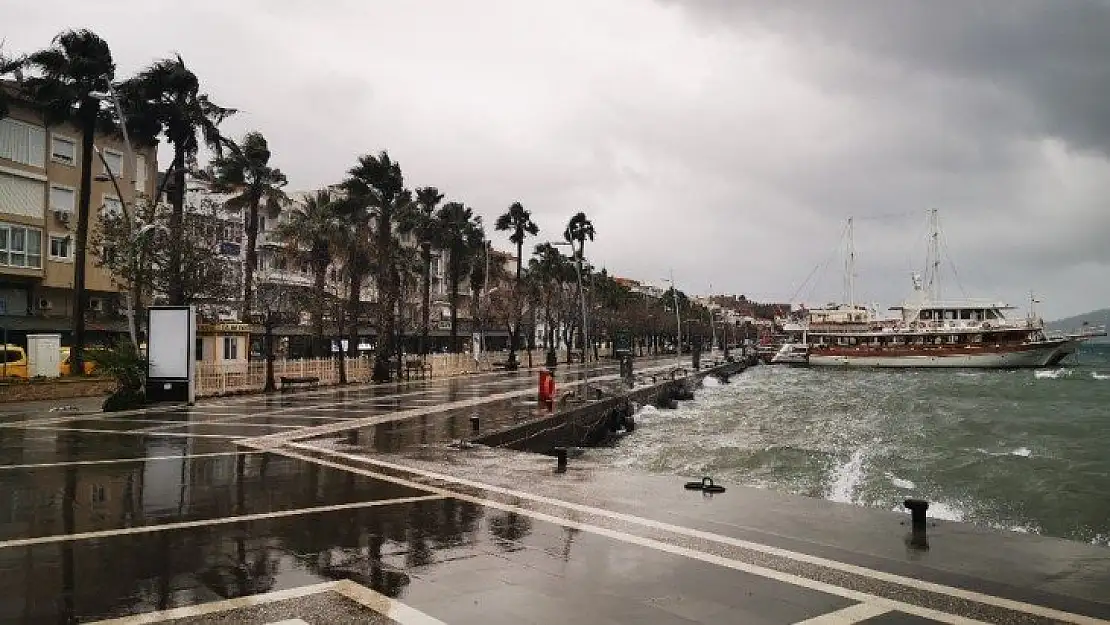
358,505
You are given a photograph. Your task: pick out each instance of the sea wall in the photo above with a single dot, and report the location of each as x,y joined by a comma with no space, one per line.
588,424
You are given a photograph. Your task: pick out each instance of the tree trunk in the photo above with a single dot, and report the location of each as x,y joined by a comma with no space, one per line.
251,261
454,308
87,113
269,341
386,299
426,300
352,314
319,284
176,289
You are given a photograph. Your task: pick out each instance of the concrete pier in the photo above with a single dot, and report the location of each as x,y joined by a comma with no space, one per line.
373,505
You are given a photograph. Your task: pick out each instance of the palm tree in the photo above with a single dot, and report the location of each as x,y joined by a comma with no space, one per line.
462,238
421,222
355,250
549,269
518,220
376,183
165,99
67,77
8,66
579,228
310,234
246,172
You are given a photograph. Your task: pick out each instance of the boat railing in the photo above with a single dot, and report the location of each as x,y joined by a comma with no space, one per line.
921,327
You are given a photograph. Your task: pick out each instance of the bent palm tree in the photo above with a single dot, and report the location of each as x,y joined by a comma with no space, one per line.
580,228
245,171
518,221
8,67
462,238
310,234
165,99
376,183
420,221
67,76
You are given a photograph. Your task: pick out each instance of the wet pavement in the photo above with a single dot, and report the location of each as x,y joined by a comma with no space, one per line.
351,506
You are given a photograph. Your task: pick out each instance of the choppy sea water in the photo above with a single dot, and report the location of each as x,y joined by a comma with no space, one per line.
1023,450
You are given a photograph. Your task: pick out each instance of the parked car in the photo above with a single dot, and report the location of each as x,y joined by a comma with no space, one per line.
13,362
88,366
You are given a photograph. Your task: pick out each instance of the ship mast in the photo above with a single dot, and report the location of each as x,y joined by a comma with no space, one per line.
850,266
934,227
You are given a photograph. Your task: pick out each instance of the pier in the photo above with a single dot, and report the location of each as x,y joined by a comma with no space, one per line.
457,501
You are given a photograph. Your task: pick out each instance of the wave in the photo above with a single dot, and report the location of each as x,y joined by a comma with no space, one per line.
1053,374
1021,452
898,482
1100,376
710,382
846,479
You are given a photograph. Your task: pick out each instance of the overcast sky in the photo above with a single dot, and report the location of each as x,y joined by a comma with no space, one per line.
727,140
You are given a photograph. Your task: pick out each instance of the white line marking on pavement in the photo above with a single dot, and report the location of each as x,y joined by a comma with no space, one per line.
119,460
969,595
146,529
847,616
61,430
788,578
370,599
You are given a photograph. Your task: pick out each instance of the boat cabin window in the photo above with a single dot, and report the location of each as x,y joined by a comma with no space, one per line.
926,315
950,314
991,314
965,314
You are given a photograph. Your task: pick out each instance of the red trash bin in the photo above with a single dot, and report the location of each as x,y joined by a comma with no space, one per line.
547,388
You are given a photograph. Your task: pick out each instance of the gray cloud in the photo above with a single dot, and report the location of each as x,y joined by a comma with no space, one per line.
728,140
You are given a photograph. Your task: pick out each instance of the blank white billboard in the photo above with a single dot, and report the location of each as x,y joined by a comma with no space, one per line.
170,343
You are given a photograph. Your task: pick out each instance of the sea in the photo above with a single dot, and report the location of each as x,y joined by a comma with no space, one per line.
1016,450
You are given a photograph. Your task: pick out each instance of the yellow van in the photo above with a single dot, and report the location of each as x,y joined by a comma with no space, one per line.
13,362
88,365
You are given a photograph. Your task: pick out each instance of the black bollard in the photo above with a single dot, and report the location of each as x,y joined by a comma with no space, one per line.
474,425
917,508
561,459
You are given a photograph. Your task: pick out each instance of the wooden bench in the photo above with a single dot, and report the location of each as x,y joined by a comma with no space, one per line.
418,367
289,381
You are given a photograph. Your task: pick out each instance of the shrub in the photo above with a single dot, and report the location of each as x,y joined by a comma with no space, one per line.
128,366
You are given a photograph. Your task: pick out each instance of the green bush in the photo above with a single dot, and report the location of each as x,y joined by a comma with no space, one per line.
128,366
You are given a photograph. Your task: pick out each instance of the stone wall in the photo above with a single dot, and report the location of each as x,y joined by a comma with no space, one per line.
61,388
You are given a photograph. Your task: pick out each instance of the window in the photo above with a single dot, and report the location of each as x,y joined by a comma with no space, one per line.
61,247
231,348
62,198
23,196
63,150
140,173
97,493
115,162
20,246
21,142
112,205
200,348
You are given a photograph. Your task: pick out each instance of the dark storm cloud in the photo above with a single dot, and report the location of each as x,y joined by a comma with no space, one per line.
728,140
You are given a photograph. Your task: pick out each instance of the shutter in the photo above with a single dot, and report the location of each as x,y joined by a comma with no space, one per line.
61,199
21,196
140,173
36,149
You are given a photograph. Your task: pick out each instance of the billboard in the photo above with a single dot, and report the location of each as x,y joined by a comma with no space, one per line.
171,359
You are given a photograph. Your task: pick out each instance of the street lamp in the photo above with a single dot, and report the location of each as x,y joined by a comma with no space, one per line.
677,318
585,322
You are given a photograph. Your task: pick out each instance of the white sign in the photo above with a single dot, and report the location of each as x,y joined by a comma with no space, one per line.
170,343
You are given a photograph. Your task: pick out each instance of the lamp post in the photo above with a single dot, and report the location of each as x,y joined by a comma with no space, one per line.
677,317
585,322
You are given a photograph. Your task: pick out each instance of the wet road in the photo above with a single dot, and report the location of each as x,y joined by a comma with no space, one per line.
347,506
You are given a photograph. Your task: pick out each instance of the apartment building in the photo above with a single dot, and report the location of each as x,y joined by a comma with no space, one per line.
40,173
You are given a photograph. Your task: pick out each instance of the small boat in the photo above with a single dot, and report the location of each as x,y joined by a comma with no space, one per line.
791,354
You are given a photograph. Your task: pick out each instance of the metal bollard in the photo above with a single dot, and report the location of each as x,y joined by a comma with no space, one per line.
474,425
917,508
561,459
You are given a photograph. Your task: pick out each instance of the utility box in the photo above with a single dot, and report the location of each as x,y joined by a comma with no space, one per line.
44,355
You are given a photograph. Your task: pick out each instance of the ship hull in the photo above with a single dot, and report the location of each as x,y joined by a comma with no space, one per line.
1029,355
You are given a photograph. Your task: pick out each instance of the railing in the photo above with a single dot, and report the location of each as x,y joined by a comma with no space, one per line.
226,378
